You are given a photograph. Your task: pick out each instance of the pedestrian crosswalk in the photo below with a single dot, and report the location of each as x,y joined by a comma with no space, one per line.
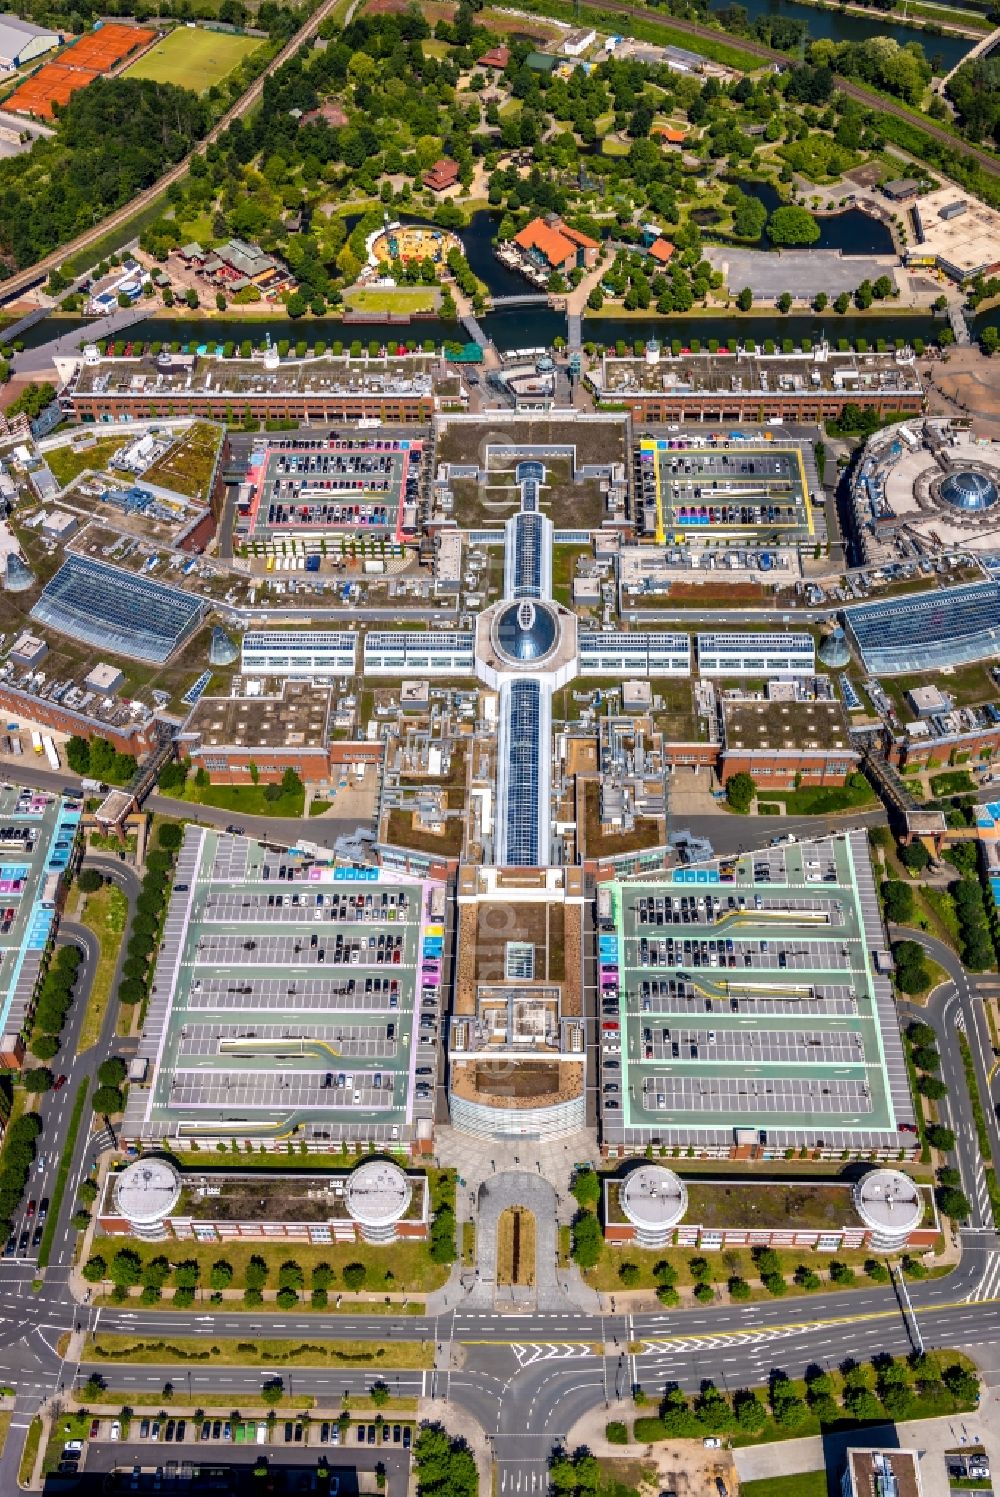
548,1351
988,1287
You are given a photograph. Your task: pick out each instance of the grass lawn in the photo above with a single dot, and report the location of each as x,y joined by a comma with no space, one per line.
187,466
31,1443
62,1175
735,1261
953,782
194,58
820,800
105,913
409,1263
400,299
248,799
5,1419
282,1351
69,462
800,1484
611,146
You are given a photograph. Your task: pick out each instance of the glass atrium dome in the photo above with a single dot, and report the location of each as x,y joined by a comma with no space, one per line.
969,490
526,631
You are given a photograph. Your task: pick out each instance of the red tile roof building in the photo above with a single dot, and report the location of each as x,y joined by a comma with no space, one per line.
496,57
442,175
560,247
661,250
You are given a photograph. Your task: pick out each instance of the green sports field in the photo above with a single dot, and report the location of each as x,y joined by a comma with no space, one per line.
194,58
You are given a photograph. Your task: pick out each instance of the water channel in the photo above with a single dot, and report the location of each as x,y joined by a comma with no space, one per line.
847,26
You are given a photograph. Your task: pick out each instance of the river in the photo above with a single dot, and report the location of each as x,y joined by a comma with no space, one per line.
847,26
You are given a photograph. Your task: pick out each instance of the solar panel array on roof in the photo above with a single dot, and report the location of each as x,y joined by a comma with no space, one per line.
925,631
116,610
528,537
523,776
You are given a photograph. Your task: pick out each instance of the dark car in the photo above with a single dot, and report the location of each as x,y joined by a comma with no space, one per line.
43,1208
22,1242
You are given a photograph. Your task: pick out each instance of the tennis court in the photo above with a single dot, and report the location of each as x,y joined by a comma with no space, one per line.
52,84
96,52
194,58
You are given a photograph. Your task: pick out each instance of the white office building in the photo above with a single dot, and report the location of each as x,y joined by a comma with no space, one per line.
640,654
762,654
428,652
300,654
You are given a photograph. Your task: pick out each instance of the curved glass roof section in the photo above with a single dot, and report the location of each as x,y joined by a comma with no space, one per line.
526,631
528,542
924,631
523,775
969,490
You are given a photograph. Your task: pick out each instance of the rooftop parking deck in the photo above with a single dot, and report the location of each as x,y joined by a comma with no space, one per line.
285,1001
37,832
746,1007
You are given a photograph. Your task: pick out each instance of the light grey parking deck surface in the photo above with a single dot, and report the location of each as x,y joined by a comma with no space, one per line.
801,272
289,1000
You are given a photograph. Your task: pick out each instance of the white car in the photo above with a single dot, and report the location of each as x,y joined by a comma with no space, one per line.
712,1442
116,1431
73,1446
262,1433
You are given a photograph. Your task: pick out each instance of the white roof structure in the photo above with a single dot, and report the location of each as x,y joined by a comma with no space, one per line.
20,41
890,1205
654,1200
376,1196
147,1191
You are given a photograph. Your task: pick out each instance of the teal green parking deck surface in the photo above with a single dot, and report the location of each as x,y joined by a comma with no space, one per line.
751,1007
37,834
285,1000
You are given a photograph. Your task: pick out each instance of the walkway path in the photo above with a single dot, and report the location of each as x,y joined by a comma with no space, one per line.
554,1289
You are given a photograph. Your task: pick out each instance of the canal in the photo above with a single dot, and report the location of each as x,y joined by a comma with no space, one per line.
843,26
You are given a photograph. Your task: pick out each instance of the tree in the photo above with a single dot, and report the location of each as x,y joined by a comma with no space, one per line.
962,1384
112,1072
95,1269
44,1046
272,1392
221,1275
932,1087
915,857
785,302
792,225
738,1288
952,1202
744,299
821,301
379,1394
989,340
587,1242
89,881
630,1275
256,1272
586,1188
38,1079
169,836
740,791
898,898
107,1100
354,1275
125,1269
911,974
941,1138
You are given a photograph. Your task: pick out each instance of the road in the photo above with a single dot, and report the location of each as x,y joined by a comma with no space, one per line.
527,1378
22,280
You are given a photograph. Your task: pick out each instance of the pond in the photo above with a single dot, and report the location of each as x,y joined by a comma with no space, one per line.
852,232
841,26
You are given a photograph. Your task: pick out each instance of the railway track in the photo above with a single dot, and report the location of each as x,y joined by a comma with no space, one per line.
22,280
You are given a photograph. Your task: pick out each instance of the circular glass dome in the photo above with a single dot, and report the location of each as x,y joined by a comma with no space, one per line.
969,490
526,631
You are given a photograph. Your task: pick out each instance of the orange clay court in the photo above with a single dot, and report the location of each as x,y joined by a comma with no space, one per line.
80,64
